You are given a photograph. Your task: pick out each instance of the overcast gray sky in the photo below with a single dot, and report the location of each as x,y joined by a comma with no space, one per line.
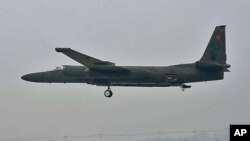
131,32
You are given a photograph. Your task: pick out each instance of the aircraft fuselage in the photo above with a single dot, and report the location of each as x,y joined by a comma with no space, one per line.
146,76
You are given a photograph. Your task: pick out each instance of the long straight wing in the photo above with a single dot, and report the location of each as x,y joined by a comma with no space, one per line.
89,61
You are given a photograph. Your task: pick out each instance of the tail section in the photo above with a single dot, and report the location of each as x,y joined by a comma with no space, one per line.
216,48
215,53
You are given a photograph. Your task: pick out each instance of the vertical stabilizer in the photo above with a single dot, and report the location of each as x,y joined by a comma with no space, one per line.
216,48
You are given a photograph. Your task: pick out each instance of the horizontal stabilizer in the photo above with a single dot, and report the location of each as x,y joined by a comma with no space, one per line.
211,65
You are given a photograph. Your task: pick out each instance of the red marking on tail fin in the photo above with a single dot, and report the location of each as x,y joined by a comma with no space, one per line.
217,37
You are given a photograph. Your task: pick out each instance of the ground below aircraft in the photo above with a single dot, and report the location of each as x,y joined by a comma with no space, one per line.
211,66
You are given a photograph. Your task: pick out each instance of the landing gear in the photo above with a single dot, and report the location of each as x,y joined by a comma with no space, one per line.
108,93
183,87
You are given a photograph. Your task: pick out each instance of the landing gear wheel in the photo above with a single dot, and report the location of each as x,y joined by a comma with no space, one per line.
108,93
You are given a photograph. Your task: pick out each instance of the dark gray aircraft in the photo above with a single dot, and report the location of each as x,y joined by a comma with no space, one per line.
211,66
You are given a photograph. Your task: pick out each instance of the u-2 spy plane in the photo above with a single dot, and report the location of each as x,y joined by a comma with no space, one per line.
211,66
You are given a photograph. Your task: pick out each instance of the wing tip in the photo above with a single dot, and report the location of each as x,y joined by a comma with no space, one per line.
62,49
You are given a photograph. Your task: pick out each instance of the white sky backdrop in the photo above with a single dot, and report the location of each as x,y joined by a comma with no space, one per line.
135,32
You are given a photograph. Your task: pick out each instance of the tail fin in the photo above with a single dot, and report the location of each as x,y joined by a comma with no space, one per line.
214,56
216,48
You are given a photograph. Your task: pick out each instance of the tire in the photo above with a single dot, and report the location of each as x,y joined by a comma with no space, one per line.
108,93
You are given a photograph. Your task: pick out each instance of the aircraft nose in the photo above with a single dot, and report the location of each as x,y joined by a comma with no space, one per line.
25,77
34,77
30,77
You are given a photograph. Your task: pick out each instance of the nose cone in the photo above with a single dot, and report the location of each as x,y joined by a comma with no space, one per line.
25,77
34,77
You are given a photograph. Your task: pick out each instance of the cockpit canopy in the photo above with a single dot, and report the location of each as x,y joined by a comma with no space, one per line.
57,68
